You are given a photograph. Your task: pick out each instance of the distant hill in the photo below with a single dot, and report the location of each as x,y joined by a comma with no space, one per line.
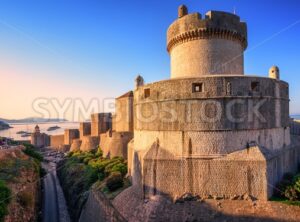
33,120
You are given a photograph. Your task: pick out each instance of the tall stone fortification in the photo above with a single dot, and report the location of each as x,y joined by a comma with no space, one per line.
200,46
210,130
114,142
39,139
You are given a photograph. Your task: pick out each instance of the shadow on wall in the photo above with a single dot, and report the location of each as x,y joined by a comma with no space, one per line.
134,207
240,173
159,208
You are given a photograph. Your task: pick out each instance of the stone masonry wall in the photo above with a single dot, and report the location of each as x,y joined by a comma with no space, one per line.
99,208
213,45
124,114
172,105
249,171
101,123
56,141
89,143
211,143
85,129
115,143
207,56
70,135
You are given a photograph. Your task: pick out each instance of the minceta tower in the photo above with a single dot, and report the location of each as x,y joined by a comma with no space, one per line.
210,130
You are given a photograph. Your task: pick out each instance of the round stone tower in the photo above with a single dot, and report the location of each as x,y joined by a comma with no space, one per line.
210,130
202,46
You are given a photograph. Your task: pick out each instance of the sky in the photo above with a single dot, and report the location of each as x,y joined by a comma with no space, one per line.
72,52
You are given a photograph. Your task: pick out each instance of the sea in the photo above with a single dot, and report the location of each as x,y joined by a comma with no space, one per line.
29,127
295,117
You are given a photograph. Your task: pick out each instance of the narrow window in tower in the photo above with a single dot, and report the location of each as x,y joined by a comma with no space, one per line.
255,86
197,87
146,93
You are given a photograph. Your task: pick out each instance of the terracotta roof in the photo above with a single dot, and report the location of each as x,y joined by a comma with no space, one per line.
128,94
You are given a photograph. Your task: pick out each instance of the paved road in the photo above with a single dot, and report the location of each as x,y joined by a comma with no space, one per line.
50,211
54,203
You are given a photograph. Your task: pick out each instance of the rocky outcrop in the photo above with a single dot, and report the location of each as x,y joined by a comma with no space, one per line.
21,175
105,210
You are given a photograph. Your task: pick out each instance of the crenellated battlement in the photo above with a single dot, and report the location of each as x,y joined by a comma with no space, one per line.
208,45
215,24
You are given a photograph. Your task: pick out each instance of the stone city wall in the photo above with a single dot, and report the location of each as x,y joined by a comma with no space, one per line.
89,143
70,135
124,114
115,143
57,141
75,147
85,129
101,123
250,171
99,208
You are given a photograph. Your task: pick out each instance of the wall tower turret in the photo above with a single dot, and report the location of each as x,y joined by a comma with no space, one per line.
203,46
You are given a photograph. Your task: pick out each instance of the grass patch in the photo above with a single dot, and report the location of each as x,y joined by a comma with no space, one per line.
80,170
285,201
4,199
30,151
287,191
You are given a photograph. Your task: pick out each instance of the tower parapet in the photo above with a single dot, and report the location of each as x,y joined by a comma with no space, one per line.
212,45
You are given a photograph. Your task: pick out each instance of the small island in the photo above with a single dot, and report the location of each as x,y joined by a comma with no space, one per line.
26,134
22,132
52,128
4,125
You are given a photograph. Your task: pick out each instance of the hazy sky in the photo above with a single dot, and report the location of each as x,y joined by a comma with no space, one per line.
79,50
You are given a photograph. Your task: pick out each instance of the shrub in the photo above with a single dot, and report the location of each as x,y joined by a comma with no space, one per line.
99,153
280,188
84,156
76,154
70,154
290,193
4,199
100,164
296,182
29,151
25,199
120,167
114,181
91,175
108,168
86,160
